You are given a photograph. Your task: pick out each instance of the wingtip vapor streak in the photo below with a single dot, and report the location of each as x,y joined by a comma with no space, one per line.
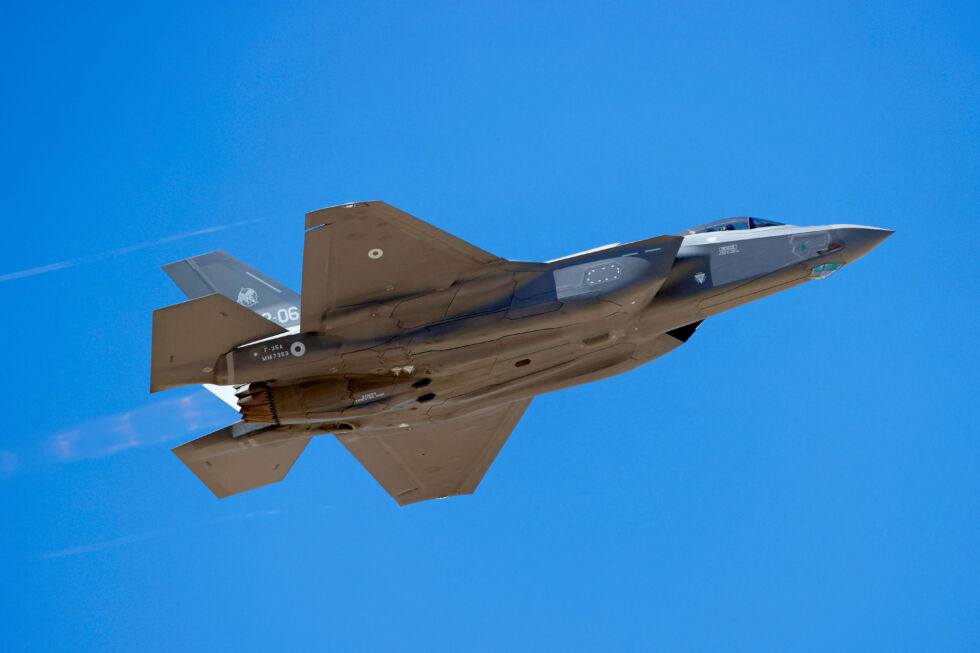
421,352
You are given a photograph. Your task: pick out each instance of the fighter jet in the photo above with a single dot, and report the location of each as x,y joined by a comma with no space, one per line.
420,352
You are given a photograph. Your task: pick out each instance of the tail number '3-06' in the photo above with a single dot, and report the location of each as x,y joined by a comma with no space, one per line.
283,315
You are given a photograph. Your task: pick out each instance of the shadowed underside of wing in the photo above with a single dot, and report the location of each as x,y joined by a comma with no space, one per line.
228,464
436,460
370,251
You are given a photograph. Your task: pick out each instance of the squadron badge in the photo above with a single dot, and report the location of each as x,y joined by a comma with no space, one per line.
248,297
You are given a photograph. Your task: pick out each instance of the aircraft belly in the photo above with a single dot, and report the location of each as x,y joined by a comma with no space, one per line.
552,373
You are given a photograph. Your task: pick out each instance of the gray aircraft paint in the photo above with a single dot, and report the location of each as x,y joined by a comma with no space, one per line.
219,272
456,341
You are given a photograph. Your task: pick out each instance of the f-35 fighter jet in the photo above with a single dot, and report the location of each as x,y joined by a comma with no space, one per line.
421,352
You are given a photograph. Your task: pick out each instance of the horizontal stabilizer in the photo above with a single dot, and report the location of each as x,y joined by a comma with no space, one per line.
189,337
229,465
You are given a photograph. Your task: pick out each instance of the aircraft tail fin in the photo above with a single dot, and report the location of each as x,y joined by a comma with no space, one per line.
229,465
220,272
189,337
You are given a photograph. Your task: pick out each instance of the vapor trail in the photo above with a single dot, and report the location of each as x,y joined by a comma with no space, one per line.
51,267
100,546
152,423
151,535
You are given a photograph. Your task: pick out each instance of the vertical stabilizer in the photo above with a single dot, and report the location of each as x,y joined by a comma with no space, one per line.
220,272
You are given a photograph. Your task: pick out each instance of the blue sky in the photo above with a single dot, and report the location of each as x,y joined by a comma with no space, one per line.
802,475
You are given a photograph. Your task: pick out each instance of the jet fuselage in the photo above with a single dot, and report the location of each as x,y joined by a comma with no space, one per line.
420,352
525,330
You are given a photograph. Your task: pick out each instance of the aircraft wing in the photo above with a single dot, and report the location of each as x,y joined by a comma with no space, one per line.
370,251
439,459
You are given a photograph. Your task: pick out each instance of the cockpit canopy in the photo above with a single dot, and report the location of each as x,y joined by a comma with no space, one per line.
732,224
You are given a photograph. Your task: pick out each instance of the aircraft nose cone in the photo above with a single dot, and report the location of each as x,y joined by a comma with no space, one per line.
858,241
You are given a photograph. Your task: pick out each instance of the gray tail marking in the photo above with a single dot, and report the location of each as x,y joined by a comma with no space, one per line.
220,272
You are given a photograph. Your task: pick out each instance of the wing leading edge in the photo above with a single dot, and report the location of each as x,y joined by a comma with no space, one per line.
436,460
